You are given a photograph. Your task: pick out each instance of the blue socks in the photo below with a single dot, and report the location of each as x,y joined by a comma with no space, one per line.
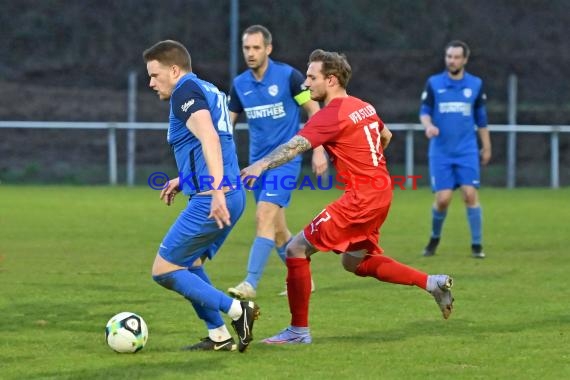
258,255
475,217
193,287
437,219
282,251
212,317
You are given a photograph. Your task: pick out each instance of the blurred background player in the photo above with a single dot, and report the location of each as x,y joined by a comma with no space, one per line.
452,108
200,136
271,94
354,137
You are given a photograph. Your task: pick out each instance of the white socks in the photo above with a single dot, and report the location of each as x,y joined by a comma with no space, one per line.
219,334
235,310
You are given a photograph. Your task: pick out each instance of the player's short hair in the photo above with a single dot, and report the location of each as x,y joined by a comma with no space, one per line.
169,52
267,38
461,44
333,64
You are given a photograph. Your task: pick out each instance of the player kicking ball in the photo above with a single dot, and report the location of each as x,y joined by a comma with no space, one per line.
354,137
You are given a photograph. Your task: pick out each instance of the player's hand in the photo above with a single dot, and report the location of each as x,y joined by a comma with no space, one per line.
170,190
485,156
219,210
319,162
432,131
251,174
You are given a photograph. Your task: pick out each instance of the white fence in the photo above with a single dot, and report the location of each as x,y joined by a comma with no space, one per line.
512,130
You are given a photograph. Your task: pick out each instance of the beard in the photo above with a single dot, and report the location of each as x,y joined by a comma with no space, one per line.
318,98
253,65
256,64
454,71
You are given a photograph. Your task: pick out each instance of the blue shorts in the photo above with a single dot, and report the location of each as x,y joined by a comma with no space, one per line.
453,172
193,235
276,185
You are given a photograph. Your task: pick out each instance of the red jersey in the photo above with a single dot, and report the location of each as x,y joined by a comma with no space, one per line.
349,130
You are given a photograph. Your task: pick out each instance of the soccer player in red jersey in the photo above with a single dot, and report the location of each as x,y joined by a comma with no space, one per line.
354,137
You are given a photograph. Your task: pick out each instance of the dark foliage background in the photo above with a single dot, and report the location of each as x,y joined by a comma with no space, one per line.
68,60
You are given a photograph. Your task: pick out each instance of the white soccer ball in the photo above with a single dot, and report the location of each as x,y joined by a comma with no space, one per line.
126,332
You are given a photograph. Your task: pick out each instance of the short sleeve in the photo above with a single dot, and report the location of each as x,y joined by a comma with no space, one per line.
234,104
480,108
427,100
323,127
187,99
297,87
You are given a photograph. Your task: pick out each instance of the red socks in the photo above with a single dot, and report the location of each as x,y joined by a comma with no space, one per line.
386,269
379,266
299,290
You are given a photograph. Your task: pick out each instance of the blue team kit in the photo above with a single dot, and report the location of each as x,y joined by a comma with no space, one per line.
193,234
273,114
457,108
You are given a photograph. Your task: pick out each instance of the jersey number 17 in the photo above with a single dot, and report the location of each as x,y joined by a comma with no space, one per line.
372,133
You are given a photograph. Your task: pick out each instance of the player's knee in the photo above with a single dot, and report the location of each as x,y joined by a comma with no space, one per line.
281,237
443,199
164,280
264,221
156,266
162,267
295,251
470,199
349,267
442,204
350,263
291,252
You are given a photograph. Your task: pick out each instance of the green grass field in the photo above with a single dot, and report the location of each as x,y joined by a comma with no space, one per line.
71,257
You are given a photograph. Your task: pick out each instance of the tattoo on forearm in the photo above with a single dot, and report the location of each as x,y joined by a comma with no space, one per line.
286,152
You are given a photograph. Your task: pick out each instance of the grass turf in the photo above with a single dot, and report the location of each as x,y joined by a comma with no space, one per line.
71,257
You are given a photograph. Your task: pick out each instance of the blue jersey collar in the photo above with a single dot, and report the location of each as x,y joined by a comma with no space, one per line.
453,82
184,78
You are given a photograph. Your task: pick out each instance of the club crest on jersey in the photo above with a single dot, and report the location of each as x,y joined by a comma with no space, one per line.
467,92
273,90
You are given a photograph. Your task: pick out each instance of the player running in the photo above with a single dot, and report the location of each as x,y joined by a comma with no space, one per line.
354,137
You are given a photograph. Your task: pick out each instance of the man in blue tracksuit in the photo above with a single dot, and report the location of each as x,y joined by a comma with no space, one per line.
453,114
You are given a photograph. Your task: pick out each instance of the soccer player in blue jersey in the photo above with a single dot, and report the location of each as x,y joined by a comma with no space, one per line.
453,113
200,134
271,94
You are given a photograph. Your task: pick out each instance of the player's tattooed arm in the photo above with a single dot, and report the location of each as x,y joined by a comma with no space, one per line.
280,155
286,152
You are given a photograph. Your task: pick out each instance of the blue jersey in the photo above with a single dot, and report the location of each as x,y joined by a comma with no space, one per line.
192,94
271,106
456,107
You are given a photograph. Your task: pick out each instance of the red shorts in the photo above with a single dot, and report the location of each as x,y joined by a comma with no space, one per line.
345,227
